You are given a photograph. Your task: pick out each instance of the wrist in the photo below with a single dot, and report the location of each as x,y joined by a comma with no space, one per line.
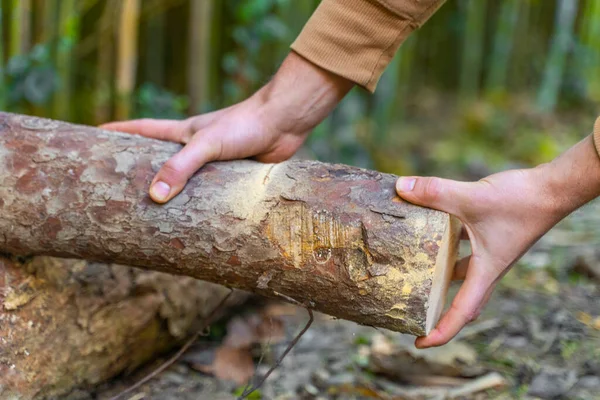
301,95
571,180
550,191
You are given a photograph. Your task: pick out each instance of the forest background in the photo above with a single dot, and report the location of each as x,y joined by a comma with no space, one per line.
483,86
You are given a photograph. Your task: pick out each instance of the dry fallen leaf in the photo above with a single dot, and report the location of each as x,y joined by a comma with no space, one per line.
399,358
232,360
281,310
240,334
233,365
588,320
269,329
253,329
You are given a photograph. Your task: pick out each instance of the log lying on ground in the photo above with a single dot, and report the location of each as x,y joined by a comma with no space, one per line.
68,324
332,237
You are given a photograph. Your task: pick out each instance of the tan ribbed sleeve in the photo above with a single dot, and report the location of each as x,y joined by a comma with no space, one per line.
597,135
357,39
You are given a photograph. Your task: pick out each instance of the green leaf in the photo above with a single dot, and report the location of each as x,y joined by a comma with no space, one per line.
256,395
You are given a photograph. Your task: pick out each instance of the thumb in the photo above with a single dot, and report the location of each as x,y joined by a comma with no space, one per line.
174,174
437,193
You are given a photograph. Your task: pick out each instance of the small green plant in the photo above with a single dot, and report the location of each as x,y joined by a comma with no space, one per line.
522,391
362,339
569,348
255,395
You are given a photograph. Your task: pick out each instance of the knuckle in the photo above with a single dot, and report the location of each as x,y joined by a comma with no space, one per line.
443,337
444,340
472,316
467,316
185,131
172,169
215,149
432,188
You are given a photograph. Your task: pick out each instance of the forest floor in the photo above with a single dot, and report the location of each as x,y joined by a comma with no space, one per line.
539,337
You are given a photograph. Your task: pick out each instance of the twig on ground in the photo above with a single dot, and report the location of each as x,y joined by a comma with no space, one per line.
293,343
476,329
493,380
205,323
490,381
262,356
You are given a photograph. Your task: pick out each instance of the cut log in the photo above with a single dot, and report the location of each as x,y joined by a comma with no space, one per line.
332,237
68,324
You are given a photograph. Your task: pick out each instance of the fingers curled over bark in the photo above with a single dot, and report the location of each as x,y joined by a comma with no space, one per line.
175,173
465,308
161,129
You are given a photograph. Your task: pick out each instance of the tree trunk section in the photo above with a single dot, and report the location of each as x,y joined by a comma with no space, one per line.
68,324
335,238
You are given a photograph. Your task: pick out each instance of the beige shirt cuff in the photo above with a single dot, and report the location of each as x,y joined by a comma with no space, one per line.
357,39
597,135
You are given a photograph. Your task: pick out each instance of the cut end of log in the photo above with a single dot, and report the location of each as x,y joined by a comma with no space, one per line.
444,268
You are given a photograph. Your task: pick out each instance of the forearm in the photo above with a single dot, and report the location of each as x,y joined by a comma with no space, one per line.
357,39
572,179
301,94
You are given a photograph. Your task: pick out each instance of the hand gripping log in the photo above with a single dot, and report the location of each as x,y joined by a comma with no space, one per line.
332,237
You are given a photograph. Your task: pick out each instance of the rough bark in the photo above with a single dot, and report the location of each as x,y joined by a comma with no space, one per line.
68,324
333,237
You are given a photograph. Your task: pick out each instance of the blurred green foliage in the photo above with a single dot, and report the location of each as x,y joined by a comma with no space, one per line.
155,102
30,78
256,28
485,85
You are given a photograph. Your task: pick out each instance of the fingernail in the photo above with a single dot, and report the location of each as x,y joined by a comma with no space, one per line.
405,184
160,191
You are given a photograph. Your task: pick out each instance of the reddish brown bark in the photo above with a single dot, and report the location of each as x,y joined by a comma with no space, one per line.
333,237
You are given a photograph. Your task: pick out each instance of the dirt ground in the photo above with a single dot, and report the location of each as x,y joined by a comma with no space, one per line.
539,337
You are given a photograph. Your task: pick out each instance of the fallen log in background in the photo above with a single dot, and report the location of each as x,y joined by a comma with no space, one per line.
332,237
68,324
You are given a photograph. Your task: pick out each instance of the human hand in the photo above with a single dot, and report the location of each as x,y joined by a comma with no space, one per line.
269,126
503,216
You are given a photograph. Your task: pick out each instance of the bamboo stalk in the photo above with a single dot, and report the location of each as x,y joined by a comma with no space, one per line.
502,49
594,42
105,36
199,53
590,38
384,100
408,56
155,65
437,44
68,33
556,61
48,32
2,79
127,57
217,48
295,14
50,8
25,15
520,67
472,52
15,36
